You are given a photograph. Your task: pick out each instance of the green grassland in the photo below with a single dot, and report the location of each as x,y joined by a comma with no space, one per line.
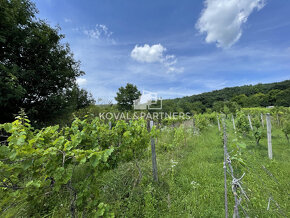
191,180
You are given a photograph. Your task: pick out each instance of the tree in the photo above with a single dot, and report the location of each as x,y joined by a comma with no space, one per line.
226,110
38,72
198,107
257,100
168,106
126,96
273,96
283,98
81,98
218,106
233,106
240,99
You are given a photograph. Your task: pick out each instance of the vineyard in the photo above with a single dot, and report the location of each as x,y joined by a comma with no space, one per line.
212,165
144,109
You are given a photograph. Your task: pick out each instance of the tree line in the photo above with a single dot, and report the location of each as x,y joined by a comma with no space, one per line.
231,99
227,100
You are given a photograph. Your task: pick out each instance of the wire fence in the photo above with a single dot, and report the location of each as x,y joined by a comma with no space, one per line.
237,188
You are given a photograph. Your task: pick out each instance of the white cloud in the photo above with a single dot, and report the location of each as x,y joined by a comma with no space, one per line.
155,54
100,31
147,54
81,81
221,20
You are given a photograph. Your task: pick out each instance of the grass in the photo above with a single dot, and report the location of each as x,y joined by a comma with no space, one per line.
191,181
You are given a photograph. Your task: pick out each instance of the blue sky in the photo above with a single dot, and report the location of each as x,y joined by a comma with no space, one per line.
174,47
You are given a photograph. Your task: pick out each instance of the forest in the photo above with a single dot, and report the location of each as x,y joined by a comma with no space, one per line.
260,95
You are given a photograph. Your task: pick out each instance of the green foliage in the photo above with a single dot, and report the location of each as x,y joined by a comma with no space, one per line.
134,139
256,111
44,169
94,111
283,98
286,127
211,117
41,164
150,200
172,121
167,136
258,132
201,122
237,149
98,175
196,107
38,72
218,106
226,110
126,96
179,136
242,123
260,95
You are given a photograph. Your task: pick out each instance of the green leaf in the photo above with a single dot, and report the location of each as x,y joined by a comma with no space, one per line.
13,154
83,160
241,145
21,139
29,183
27,164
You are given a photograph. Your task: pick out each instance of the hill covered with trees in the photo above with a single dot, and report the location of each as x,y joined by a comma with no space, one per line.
271,94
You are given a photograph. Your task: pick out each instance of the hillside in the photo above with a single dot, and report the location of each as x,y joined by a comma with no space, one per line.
277,94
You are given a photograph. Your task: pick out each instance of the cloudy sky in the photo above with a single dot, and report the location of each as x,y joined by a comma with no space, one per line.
174,47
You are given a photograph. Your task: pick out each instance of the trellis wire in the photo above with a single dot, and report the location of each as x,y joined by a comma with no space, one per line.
281,212
236,182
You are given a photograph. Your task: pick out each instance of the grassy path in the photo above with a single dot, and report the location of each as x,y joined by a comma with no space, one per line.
198,184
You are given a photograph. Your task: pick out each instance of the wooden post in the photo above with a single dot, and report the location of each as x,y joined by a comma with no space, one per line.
268,120
110,125
250,122
218,120
154,162
234,122
225,172
262,120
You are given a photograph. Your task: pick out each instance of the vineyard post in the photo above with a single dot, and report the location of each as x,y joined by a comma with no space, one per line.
235,185
225,171
110,125
154,162
234,122
262,119
218,122
268,120
250,122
